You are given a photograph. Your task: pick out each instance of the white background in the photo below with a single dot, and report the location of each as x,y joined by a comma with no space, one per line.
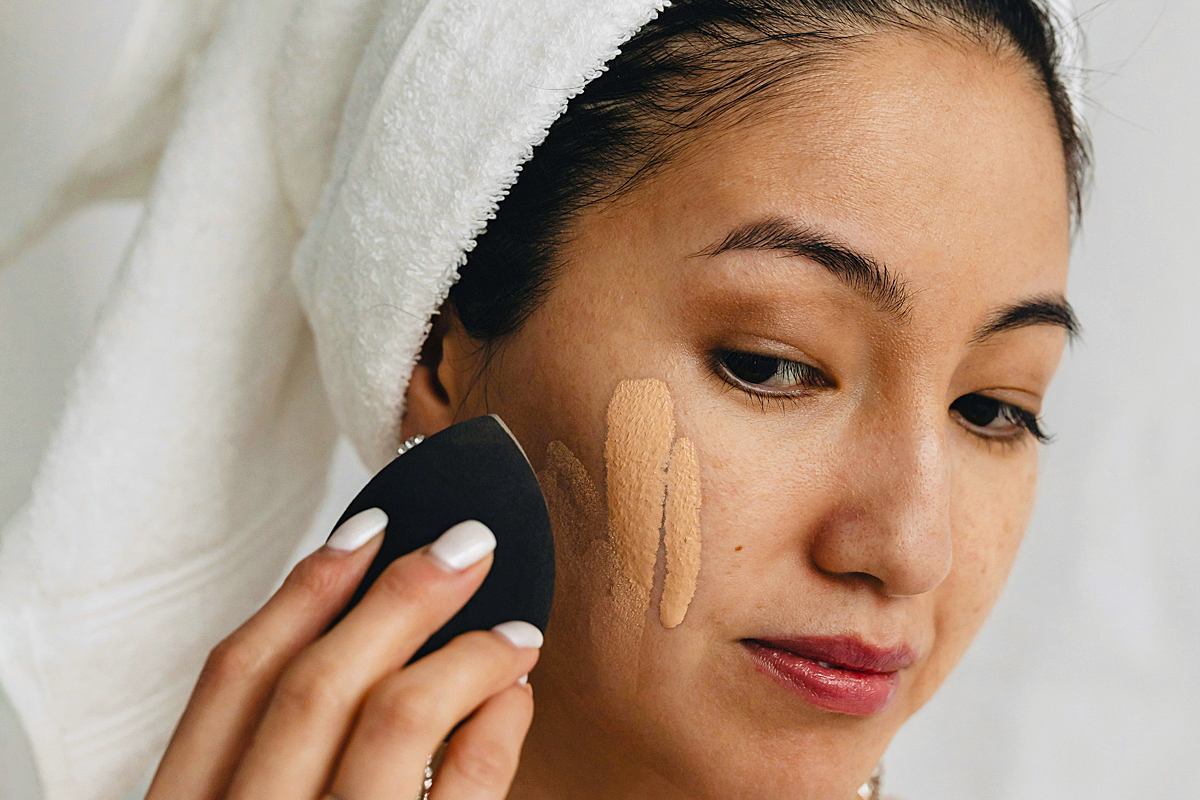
1084,684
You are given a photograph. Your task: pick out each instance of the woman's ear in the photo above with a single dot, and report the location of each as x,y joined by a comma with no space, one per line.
435,392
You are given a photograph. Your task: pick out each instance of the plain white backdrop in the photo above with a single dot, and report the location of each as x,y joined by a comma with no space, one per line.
1084,683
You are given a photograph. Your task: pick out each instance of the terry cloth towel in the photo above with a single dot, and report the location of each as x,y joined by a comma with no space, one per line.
314,172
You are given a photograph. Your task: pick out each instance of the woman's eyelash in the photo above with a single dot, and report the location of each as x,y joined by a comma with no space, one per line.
1030,422
753,372
979,411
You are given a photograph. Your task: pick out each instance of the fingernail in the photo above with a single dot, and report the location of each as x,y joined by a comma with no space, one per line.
520,633
358,530
463,545
524,679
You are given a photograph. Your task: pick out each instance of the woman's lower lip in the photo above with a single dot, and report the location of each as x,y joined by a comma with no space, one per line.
831,688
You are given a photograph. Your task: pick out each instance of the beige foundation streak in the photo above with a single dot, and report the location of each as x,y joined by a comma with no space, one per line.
641,424
682,533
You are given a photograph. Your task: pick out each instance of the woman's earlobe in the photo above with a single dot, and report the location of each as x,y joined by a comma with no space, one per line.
429,404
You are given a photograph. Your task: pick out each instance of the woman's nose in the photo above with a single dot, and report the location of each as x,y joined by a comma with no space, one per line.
890,523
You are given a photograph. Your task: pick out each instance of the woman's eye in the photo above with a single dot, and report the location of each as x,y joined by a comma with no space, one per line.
768,374
996,419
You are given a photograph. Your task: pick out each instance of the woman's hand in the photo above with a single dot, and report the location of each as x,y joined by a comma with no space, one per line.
284,711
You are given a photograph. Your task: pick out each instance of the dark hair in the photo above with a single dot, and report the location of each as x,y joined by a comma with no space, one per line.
700,63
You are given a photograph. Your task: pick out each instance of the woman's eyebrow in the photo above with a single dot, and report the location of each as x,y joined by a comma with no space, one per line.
859,271
1041,310
872,279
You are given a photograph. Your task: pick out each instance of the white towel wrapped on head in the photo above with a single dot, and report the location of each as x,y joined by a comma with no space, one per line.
428,148
366,143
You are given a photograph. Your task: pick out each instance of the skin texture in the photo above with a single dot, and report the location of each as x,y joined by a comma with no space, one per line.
866,507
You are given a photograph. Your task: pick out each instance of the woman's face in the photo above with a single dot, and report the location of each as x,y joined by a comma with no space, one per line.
853,370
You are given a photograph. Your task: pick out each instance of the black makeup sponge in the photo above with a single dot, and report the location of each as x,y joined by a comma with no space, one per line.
472,470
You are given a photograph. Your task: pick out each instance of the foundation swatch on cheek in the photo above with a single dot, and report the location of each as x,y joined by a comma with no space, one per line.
681,533
637,447
607,542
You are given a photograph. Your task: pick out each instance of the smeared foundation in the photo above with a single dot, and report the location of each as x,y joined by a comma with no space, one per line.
578,499
587,563
681,533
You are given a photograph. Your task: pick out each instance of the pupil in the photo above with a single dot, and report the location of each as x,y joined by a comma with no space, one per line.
752,368
977,409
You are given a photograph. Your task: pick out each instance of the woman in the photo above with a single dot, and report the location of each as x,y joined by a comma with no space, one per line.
790,273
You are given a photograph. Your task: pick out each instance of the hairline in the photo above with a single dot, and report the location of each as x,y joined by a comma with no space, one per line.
820,62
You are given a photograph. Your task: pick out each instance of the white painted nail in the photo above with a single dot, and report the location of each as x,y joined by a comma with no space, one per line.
358,530
520,633
523,680
463,545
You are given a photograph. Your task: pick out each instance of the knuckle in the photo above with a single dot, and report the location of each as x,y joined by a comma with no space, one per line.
233,660
483,762
308,689
496,652
397,582
314,577
403,710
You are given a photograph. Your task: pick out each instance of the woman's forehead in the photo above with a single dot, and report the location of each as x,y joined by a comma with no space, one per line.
930,159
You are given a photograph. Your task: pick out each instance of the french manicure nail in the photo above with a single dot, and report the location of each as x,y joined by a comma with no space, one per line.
523,680
520,633
358,530
463,545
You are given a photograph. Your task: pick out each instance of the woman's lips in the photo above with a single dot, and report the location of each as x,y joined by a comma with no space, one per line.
839,674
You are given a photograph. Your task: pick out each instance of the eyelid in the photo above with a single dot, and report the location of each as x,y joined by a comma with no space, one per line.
1025,399
769,346
1025,422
